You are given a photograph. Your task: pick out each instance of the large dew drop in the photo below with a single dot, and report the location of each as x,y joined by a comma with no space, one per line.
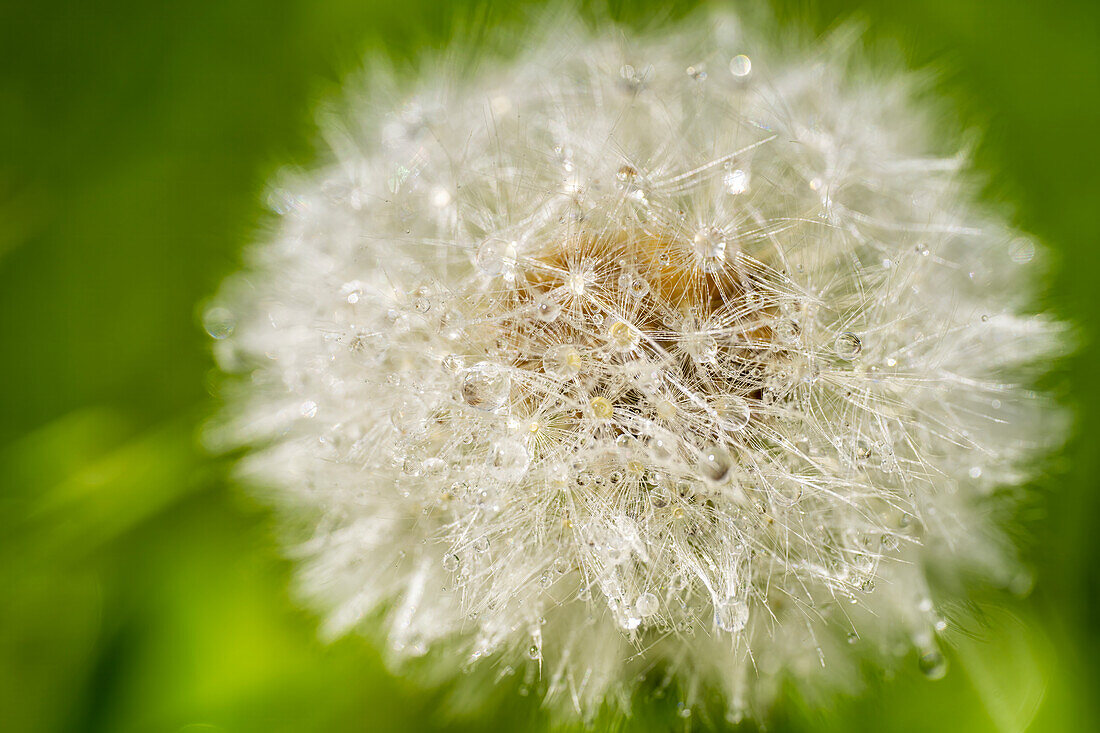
562,361
731,615
710,249
509,460
485,386
848,346
646,604
733,412
714,464
495,257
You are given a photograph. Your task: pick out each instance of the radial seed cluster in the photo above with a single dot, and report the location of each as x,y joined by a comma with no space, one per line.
683,356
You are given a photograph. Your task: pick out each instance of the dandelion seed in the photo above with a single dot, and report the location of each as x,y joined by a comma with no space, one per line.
654,416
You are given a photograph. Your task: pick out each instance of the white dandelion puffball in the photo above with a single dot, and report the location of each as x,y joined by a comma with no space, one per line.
684,355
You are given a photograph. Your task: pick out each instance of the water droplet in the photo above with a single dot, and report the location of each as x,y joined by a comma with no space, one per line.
701,347
733,412
562,361
451,563
731,615
309,408
533,651
622,336
710,249
736,181
922,249
975,472
547,309
219,322
932,664
485,386
434,466
578,282
787,330
509,459
602,408
848,346
481,544
665,408
696,73
646,605
663,445
399,321
714,463
495,257
740,65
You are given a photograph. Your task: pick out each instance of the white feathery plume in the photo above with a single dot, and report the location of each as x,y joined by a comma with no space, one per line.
681,354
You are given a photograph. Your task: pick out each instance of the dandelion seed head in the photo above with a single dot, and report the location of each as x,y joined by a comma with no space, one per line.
588,364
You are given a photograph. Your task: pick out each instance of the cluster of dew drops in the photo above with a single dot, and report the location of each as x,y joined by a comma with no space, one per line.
607,378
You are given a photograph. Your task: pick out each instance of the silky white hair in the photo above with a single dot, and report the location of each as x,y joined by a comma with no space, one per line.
685,352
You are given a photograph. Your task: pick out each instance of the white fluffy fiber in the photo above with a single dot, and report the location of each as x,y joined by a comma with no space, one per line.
681,352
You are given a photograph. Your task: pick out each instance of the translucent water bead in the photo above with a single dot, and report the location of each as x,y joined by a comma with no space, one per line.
710,249
496,257
646,605
731,615
848,345
733,412
485,386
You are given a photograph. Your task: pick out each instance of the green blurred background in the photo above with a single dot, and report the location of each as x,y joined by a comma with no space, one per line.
140,591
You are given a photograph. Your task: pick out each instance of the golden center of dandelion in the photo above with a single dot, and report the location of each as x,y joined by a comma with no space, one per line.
631,330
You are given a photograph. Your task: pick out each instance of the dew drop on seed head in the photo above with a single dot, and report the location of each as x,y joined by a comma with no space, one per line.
622,336
602,408
848,345
485,386
663,445
932,664
639,287
740,66
702,347
493,256
218,322
710,249
509,459
578,282
714,464
733,412
562,361
665,408
646,605
547,309
736,181
731,614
